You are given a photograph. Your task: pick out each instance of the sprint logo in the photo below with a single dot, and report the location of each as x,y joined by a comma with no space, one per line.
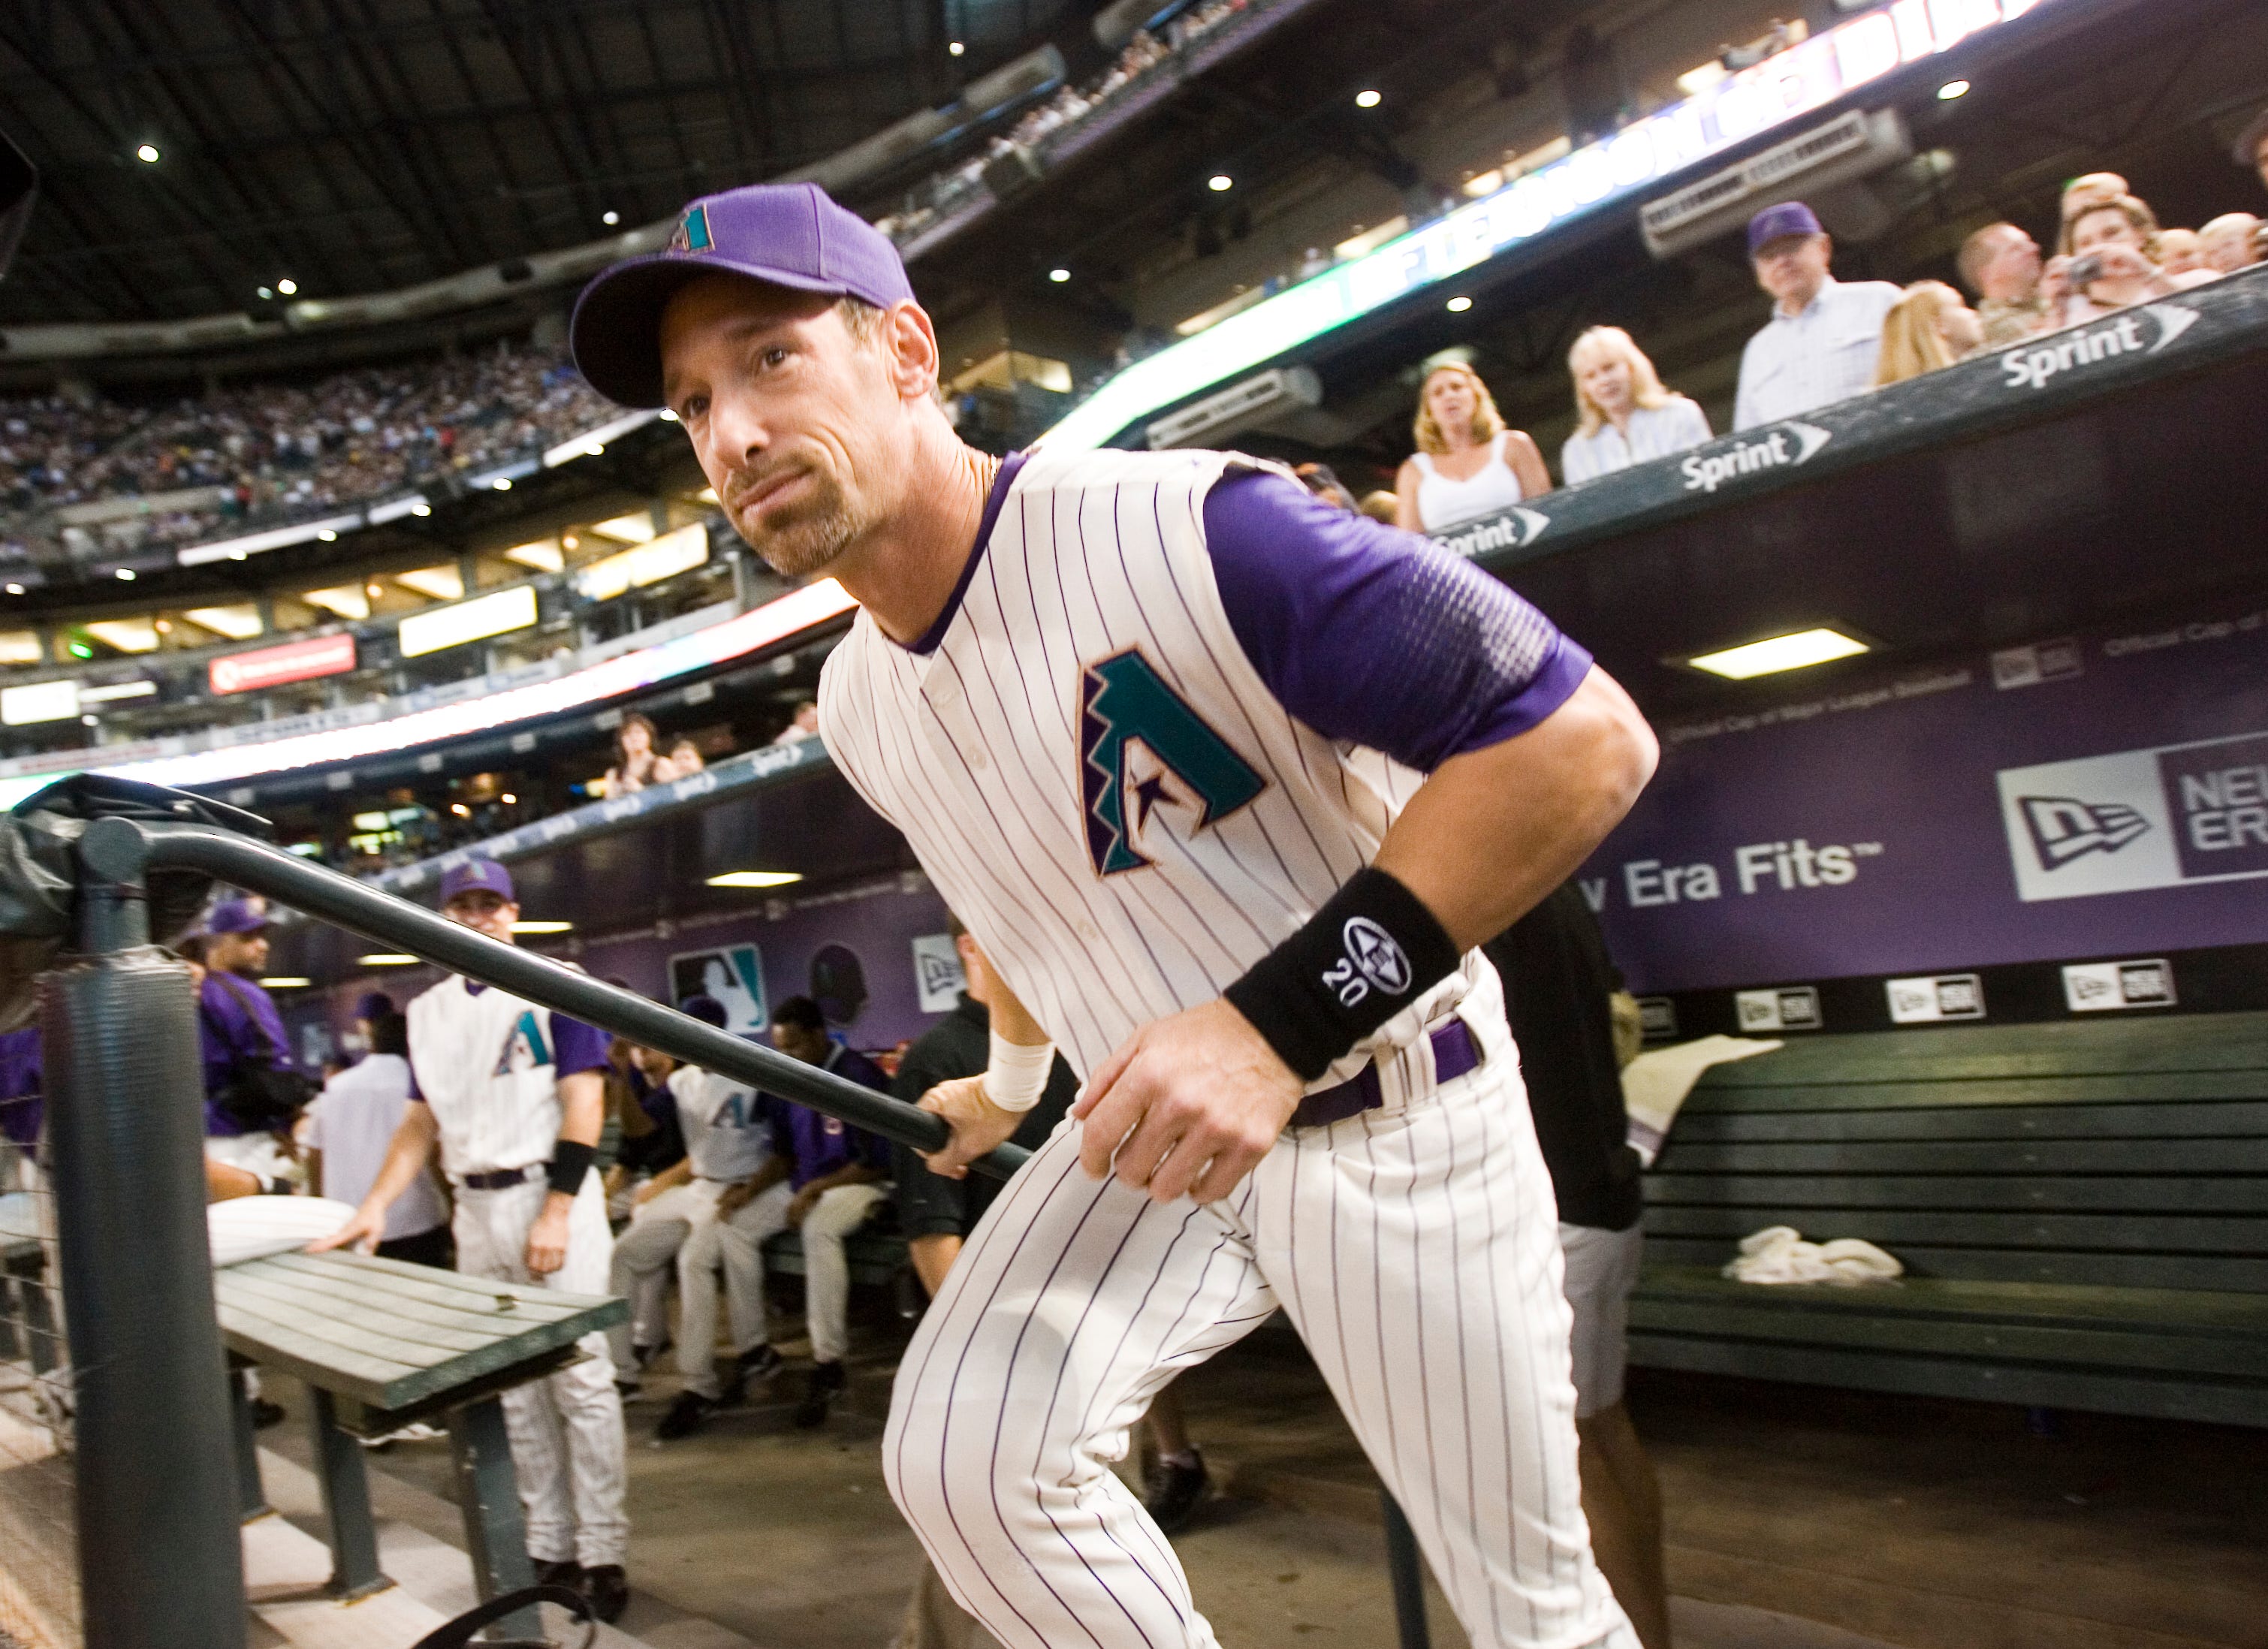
2030,366
2064,829
1788,444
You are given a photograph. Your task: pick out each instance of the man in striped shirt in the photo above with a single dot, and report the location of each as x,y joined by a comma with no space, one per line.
1825,337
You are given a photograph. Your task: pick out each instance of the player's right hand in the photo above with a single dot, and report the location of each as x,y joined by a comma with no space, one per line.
978,1125
362,1232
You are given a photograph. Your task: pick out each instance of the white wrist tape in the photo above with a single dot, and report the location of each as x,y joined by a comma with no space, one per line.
1018,1075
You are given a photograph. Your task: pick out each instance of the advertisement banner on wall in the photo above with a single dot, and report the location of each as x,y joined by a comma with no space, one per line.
938,977
272,666
2085,796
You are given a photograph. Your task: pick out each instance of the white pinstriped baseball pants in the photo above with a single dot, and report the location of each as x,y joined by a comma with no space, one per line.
1415,1249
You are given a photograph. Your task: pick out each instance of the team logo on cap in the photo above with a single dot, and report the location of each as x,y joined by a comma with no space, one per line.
692,231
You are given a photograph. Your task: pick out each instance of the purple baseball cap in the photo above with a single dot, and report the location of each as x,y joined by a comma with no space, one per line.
237,916
788,234
476,875
1778,222
705,1008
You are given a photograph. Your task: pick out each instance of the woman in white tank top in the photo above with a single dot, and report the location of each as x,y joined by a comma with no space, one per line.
1467,465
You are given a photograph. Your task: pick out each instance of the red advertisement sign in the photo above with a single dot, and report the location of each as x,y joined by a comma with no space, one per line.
272,666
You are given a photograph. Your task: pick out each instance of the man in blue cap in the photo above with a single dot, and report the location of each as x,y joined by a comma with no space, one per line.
1229,784
254,1088
1825,335
512,1096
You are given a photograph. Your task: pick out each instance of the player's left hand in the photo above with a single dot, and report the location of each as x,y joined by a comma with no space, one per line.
1187,1105
546,1238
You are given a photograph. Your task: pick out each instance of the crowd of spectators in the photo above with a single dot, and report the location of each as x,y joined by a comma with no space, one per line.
1070,104
263,452
1826,340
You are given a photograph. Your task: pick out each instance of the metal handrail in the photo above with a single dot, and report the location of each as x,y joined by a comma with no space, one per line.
122,849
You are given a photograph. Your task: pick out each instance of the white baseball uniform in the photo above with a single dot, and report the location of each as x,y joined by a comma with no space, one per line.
488,1065
1172,707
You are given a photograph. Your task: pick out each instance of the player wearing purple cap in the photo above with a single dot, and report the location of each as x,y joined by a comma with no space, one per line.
1228,784
1825,337
511,1094
254,1088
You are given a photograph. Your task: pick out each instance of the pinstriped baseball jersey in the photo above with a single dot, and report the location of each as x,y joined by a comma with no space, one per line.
486,1062
1095,775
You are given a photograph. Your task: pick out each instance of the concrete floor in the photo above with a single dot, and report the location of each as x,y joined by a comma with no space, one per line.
1798,1519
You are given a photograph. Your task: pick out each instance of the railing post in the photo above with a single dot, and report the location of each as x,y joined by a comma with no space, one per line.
161,1561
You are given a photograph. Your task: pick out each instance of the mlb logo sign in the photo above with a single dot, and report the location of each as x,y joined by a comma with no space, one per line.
732,973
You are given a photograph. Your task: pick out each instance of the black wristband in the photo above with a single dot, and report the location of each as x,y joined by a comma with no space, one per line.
570,1162
1369,953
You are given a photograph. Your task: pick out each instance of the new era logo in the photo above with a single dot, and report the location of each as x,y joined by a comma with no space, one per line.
2064,829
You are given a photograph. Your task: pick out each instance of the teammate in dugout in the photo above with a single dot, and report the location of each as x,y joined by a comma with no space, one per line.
1227,783
511,1095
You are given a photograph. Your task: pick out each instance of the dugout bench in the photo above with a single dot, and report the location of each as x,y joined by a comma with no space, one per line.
2081,1209
380,1344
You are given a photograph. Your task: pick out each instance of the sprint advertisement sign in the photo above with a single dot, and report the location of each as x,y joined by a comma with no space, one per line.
2159,818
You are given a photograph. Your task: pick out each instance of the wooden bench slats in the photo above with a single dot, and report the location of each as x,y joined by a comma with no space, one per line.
1891,1228
1924,1296
1982,1338
1917,1088
2220,1041
2227,1119
2032,1156
2189,1398
307,1314
2219,1273
2143,1194
448,1304
277,1300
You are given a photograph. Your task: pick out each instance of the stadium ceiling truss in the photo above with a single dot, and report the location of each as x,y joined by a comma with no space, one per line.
350,146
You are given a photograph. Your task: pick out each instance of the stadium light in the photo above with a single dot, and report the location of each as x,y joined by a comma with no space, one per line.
287,286
1797,650
385,959
421,509
1951,89
15,589
126,574
542,927
956,48
501,483
756,879
1458,304
1368,99
148,154
1220,182
1059,275
610,218
284,982
327,536
267,293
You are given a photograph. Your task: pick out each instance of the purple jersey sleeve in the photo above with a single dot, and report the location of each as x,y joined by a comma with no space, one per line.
576,1046
1372,635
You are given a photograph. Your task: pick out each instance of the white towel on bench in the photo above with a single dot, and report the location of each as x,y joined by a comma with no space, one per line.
1778,1254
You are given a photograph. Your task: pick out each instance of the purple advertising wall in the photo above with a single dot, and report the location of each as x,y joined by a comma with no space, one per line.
878,925
2084,795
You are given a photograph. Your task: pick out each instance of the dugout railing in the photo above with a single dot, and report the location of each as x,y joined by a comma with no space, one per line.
156,1468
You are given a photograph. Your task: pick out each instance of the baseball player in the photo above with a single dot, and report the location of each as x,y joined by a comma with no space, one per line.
1227,783
253,1089
510,1093
699,1214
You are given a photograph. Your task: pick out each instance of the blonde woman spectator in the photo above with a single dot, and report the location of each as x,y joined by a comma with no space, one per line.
1468,464
2113,263
1623,415
1929,328
2230,242
2180,251
2000,263
1381,506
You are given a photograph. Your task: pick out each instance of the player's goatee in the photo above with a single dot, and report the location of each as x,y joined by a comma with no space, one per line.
806,537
